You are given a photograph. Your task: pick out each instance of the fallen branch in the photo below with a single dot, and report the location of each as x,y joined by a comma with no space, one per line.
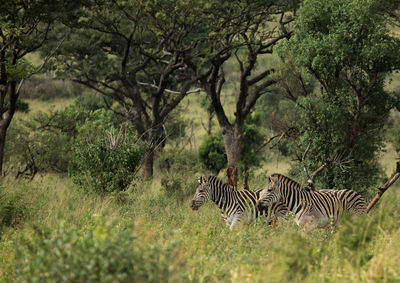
385,186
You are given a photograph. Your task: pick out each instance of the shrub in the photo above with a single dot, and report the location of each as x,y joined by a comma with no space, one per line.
105,158
252,140
44,143
102,253
22,106
92,101
12,208
212,153
178,169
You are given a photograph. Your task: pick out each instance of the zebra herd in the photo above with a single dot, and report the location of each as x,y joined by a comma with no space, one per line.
311,209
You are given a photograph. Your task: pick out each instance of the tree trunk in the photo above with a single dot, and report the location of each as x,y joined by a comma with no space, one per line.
232,137
147,165
2,144
154,140
6,115
209,126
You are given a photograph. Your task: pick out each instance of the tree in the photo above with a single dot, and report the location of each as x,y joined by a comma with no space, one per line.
24,27
242,34
135,52
347,49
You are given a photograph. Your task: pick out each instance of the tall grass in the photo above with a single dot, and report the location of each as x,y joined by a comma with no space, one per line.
52,231
146,228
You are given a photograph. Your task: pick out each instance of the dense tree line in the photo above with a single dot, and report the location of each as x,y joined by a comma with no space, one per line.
324,99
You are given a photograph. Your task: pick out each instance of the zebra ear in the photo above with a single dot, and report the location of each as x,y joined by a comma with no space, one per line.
202,180
275,180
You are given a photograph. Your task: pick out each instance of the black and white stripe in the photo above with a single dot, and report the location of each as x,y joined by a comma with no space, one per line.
311,208
236,206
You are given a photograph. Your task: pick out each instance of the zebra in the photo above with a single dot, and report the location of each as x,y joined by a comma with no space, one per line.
235,205
311,208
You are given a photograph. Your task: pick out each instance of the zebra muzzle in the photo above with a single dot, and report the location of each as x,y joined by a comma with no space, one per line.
261,206
193,205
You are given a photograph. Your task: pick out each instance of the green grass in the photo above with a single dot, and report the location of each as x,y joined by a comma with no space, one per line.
366,249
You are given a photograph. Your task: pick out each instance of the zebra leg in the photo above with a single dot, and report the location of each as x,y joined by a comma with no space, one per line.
236,218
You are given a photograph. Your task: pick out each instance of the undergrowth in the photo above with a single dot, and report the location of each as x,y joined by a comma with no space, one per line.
56,233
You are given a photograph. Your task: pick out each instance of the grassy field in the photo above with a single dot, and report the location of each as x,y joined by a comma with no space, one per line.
53,232
51,219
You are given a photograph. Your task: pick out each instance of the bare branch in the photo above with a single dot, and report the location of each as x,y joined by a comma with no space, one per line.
152,85
385,186
46,59
303,158
270,140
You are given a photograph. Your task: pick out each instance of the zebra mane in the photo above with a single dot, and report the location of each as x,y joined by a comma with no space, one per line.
215,181
291,182
210,179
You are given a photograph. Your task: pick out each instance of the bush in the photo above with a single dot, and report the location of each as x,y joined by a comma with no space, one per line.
252,140
102,253
22,106
105,158
30,150
212,153
92,101
44,143
178,169
12,209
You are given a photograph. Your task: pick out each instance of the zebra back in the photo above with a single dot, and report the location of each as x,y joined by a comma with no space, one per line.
349,200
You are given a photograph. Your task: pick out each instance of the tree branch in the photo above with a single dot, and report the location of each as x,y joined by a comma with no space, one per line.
382,189
46,59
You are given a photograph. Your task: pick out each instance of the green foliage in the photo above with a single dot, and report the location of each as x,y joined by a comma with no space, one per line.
24,29
178,168
252,141
43,144
30,150
105,158
92,101
212,153
20,105
12,208
345,46
103,252
393,133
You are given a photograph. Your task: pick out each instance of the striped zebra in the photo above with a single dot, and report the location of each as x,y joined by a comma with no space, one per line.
235,205
311,208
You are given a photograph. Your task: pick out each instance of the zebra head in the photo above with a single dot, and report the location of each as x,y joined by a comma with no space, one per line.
202,194
270,194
